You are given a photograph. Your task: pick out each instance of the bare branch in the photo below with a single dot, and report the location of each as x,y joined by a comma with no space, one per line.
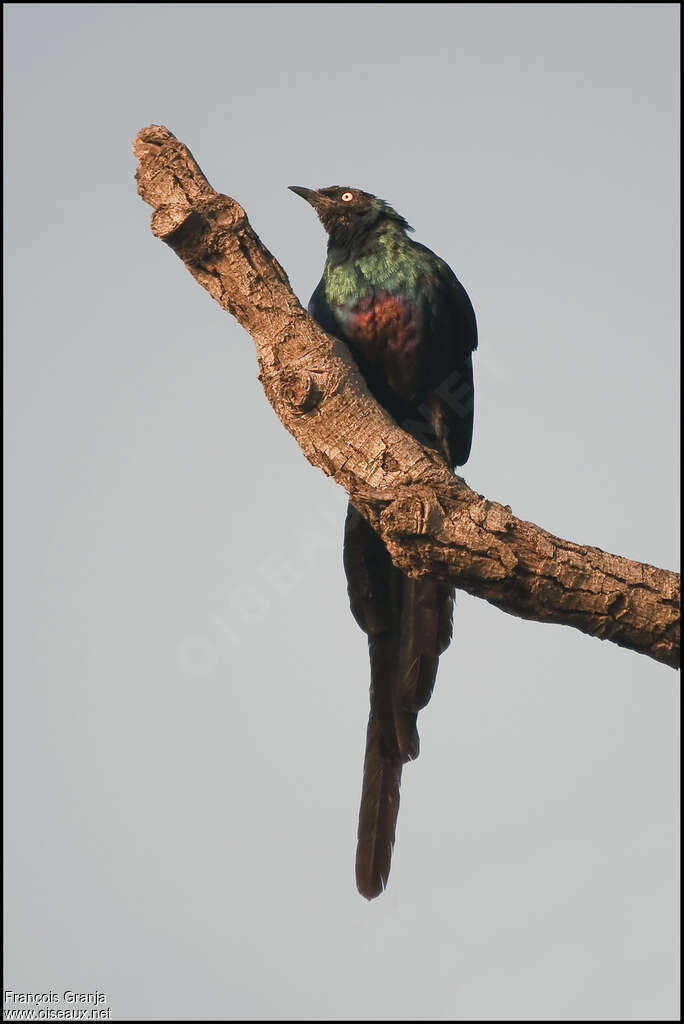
431,521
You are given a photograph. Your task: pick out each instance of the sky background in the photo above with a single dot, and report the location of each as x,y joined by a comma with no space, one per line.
186,693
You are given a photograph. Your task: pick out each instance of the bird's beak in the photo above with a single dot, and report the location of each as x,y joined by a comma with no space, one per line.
309,194
321,204
324,206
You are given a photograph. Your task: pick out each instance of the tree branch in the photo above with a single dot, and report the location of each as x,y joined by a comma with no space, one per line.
431,521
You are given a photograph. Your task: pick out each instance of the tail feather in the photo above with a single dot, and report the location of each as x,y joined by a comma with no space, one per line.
381,775
426,618
378,814
408,623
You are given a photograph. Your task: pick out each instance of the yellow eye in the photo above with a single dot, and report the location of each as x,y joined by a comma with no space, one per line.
346,197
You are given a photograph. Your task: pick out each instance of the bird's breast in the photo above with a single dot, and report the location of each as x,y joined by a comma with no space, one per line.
381,319
384,331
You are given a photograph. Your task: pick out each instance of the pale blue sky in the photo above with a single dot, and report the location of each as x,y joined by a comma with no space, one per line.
186,689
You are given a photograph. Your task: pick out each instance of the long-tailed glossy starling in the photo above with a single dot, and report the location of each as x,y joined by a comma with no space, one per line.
411,328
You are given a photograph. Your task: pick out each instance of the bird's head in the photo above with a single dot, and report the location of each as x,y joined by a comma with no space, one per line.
346,212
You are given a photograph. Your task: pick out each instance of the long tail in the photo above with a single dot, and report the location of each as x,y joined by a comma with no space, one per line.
408,623
381,778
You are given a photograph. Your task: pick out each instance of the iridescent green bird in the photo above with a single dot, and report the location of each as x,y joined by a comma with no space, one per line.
411,328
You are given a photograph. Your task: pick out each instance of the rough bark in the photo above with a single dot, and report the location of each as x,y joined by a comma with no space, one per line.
431,521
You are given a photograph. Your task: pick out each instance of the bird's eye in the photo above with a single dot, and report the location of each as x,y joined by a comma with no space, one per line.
346,197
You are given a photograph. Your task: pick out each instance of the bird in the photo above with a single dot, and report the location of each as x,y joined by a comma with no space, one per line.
410,326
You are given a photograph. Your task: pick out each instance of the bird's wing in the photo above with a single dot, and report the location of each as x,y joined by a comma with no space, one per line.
320,310
449,320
